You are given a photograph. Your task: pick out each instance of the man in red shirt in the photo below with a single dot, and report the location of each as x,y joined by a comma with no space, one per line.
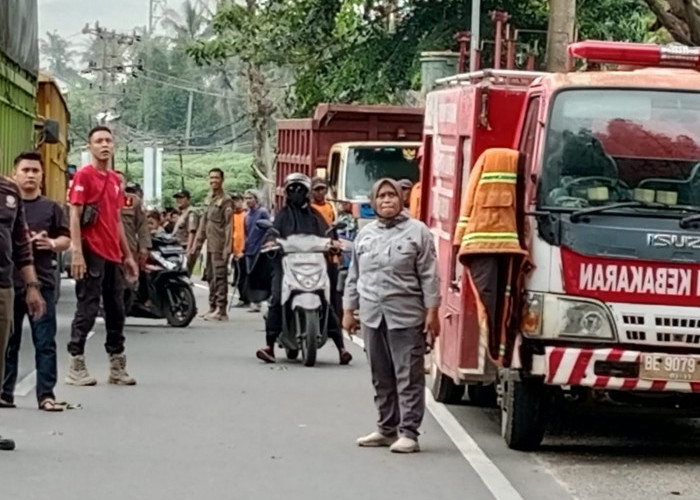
101,256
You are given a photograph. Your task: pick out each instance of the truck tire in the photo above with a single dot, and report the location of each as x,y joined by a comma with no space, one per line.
523,413
444,388
483,395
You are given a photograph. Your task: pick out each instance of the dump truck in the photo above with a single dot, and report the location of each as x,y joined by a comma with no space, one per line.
351,146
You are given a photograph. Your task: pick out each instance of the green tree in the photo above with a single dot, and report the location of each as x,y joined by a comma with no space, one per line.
681,18
58,52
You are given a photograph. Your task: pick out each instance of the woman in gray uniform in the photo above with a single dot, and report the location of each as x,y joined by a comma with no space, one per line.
393,281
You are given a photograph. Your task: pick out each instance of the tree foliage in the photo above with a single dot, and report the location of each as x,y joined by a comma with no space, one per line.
681,18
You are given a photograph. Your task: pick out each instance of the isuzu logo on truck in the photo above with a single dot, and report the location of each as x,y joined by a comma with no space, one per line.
663,240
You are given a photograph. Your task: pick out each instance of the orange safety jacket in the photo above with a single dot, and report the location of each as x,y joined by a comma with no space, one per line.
326,210
238,226
488,216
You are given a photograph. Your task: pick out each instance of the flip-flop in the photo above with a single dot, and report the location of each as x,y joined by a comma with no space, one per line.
5,404
50,405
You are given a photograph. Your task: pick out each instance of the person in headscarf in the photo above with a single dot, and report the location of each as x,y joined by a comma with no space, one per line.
296,217
393,281
406,187
258,270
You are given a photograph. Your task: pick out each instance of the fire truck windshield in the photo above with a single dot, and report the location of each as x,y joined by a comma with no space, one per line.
366,165
606,146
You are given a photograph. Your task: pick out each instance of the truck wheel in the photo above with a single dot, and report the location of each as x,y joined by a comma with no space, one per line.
444,388
483,395
522,413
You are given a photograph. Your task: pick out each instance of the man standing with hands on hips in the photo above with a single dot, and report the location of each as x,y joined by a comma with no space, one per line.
15,251
101,256
49,234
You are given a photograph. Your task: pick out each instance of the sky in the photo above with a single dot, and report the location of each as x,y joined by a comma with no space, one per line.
68,17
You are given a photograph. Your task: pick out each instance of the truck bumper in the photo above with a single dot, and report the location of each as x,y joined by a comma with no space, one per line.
571,366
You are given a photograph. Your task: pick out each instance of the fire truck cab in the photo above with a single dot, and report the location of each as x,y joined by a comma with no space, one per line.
609,202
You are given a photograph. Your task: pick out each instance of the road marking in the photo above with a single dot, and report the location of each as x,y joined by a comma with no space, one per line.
28,382
203,287
490,474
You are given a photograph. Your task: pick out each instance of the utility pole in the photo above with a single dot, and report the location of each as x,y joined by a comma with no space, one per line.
562,23
155,6
188,128
476,34
108,68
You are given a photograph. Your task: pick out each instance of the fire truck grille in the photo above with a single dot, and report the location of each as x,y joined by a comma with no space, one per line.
654,329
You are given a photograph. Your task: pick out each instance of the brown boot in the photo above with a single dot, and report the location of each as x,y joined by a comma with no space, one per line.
78,373
117,370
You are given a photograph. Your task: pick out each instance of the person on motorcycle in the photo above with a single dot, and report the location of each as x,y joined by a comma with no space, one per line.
296,217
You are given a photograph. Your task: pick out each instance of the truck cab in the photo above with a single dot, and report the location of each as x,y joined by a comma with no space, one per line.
609,206
354,167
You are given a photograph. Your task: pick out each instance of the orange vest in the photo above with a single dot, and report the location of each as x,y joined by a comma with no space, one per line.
487,222
326,210
238,225
414,207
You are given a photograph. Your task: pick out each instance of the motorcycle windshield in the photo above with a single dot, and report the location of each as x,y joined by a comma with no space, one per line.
304,243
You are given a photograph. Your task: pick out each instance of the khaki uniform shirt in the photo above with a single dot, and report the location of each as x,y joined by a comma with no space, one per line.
135,226
187,223
215,226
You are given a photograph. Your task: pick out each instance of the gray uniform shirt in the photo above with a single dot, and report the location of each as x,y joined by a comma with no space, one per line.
393,275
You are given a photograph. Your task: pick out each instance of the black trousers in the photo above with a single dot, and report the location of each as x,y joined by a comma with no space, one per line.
242,269
102,279
273,326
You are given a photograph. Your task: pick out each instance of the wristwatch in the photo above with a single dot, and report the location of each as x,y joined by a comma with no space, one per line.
33,284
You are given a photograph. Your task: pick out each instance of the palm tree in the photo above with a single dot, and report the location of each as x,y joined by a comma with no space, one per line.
192,22
58,53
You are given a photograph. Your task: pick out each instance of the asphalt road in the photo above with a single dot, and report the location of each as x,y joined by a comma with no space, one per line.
208,420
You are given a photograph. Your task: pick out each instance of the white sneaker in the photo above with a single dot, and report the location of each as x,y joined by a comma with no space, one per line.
405,445
376,440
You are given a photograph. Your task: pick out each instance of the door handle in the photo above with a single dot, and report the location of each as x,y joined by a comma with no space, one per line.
448,316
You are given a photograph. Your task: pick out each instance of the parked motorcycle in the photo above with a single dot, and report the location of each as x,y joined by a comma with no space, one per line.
306,292
165,289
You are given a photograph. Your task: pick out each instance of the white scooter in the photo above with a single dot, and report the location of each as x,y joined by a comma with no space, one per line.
306,292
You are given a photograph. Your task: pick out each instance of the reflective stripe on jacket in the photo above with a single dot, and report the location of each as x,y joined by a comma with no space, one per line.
487,221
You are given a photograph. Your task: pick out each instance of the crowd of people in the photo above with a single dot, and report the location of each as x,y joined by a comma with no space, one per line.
391,291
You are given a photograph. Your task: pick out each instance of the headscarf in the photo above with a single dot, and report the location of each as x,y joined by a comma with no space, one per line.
254,193
401,215
297,217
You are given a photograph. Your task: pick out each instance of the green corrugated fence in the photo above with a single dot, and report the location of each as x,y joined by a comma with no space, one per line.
17,112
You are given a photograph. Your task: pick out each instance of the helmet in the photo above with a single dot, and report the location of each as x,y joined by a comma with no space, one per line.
298,178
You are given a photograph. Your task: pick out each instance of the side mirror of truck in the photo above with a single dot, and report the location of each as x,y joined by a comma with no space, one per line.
51,132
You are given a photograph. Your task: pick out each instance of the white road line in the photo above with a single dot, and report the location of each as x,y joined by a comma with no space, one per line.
490,474
203,287
28,382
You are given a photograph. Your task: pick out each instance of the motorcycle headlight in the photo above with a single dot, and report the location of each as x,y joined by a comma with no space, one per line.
554,316
308,280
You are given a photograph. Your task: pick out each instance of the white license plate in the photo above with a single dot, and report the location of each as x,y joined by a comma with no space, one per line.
669,367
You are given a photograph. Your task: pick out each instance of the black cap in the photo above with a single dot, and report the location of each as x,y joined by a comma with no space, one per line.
236,196
182,194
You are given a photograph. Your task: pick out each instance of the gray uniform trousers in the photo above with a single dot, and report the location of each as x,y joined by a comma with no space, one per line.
396,359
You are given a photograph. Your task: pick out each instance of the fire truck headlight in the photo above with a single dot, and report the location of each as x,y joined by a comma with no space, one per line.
575,318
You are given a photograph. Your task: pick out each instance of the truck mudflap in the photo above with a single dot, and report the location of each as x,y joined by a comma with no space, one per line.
572,366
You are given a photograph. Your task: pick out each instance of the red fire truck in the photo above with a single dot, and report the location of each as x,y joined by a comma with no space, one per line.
609,191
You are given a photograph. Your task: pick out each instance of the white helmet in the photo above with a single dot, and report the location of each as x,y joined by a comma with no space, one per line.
298,178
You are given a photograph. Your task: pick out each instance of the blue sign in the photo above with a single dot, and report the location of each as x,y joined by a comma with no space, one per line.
366,211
